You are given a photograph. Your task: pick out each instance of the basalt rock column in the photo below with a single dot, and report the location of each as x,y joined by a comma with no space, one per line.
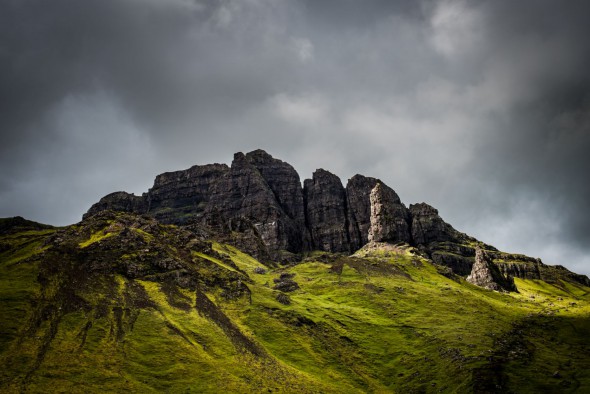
389,217
358,191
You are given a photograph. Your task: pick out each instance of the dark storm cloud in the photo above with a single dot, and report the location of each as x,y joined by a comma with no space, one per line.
478,107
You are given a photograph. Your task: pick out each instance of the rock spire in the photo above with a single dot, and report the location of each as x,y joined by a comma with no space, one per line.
485,274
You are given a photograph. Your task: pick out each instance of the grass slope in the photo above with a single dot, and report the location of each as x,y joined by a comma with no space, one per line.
384,321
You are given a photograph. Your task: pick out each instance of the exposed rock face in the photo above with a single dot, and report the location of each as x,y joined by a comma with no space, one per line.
517,265
176,197
485,274
285,184
180,196
428,226
258,205
358,192
524,267
245,193
262,197
461,265
389,217
259,196
118,201
326,212
440,241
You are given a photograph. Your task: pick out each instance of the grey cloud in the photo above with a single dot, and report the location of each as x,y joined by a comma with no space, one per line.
478,107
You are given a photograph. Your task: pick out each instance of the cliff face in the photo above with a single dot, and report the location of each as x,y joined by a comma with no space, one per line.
263,196
358,191
260,205
265,191
428,226
177,197
389,217
327,212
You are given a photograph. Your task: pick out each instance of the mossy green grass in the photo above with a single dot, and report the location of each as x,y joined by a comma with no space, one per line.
383,321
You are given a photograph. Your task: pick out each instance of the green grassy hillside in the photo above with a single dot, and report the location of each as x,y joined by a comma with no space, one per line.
121,303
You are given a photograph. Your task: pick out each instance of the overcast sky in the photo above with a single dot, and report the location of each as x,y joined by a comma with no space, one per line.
479,108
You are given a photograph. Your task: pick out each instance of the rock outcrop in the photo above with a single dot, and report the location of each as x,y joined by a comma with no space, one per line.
120,202
440,241
487,275
258,196
181,196
259,205
389,217
428,226
244,193
358,192
261,198
326,212
284,182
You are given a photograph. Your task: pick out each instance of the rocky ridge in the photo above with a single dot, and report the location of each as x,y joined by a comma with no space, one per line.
259,204
264,195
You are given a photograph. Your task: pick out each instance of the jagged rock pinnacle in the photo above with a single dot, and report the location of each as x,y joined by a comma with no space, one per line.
389,217
485,274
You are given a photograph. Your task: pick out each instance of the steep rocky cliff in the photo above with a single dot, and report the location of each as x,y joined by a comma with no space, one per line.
243,192
428,226
259,205
263,197
177,197
389,217
358,191
326,211
120,202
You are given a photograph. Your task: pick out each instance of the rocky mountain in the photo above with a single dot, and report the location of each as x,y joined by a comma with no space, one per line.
241,279
259,205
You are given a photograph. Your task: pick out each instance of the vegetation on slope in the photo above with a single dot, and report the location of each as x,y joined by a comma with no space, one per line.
120,302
